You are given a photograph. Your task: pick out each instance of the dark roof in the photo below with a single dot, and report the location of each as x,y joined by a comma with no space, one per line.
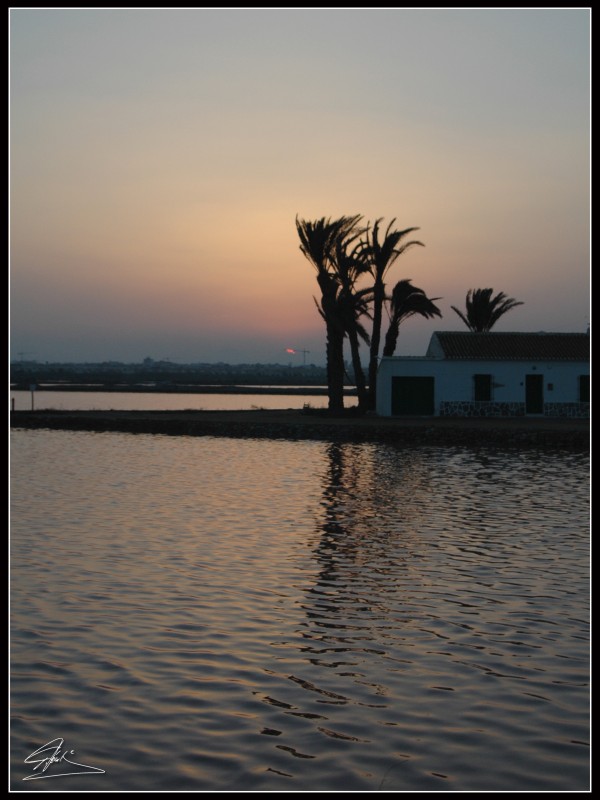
515,346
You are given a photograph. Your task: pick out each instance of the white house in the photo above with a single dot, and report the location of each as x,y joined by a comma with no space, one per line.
468,374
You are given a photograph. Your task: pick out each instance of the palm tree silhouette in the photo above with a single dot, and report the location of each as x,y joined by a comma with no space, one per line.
406,301
320,242
380,255
353,303
483,310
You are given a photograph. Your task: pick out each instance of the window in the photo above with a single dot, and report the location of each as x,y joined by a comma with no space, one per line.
584,388
482,387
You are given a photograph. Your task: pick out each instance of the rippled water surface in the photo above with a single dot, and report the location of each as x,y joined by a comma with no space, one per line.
220,614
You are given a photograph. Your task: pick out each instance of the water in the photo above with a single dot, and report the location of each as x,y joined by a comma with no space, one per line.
251,615
162,401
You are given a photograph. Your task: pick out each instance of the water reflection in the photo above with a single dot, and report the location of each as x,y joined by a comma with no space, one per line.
438,571
300,616
363,486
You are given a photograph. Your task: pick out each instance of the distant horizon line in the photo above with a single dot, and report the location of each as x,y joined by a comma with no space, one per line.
153,362
15,361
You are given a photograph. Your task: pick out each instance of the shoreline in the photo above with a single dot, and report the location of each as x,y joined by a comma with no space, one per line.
296,424
180,388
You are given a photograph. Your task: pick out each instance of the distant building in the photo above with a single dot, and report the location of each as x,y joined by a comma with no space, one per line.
468,374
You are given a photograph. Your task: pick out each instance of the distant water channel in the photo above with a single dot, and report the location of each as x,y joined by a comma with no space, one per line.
250,615
162,401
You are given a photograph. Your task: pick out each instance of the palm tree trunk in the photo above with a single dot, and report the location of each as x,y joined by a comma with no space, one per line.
359,375
391,339
335,368
378,298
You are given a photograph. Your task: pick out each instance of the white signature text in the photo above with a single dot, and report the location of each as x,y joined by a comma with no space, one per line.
53,753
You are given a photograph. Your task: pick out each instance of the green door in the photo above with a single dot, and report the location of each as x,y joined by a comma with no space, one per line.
534,394
412,396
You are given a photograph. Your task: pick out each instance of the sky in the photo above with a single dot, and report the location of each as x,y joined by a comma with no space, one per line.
159,159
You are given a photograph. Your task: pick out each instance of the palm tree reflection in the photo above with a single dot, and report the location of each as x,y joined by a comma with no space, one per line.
373,498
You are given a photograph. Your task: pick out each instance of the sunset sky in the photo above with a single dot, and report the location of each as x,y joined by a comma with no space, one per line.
158,159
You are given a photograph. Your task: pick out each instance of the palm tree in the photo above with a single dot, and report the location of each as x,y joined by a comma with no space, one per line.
380,256
406,301
483,310
353,304
318,242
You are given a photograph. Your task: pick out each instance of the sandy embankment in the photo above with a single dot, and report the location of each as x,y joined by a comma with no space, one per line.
296,424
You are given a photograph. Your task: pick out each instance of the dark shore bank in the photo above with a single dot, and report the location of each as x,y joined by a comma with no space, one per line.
296,424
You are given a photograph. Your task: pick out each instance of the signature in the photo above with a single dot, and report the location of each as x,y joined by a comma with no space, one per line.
49,754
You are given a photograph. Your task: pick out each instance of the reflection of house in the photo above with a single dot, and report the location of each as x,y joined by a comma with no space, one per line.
490,375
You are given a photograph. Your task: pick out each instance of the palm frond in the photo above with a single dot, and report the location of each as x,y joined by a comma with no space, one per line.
407,301
483,310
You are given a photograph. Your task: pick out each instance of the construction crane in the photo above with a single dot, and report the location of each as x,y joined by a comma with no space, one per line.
293,351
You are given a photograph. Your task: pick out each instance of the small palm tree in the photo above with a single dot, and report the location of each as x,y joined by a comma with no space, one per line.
483,310
406,301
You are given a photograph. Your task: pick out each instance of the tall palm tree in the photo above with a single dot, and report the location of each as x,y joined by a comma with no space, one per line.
406,301
318,242
353,304
483,310
380,255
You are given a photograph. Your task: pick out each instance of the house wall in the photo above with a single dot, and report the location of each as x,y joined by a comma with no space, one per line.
454,390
